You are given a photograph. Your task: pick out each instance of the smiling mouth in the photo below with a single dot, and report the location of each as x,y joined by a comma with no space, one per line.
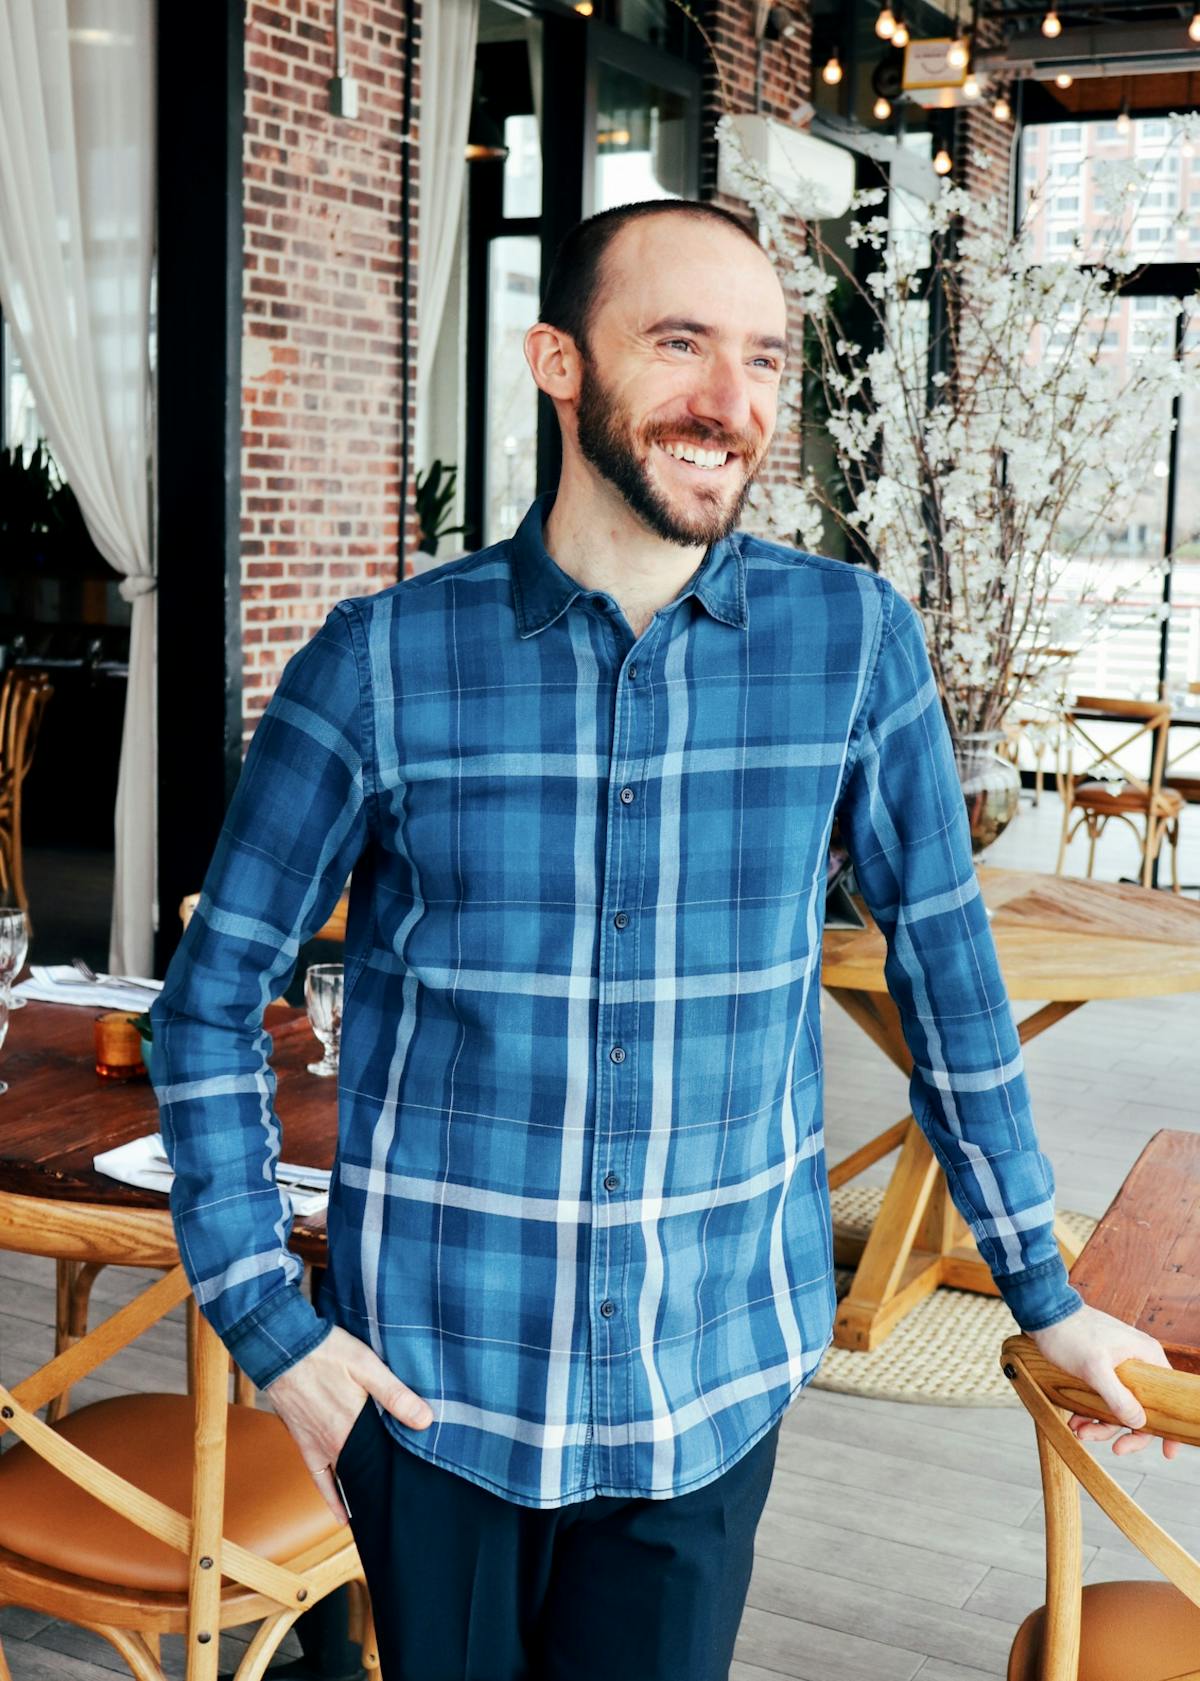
705,460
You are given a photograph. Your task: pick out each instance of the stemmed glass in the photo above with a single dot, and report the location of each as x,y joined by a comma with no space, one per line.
3,1033
323,996
14,945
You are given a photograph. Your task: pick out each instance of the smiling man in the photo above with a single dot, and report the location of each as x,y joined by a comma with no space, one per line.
579,1232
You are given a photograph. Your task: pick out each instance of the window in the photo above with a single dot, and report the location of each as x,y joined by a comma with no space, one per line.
1064,204
1106,134
1064,136
1060,239
1152,128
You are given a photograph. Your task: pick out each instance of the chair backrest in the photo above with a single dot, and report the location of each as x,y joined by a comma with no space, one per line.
1146,719
23,698
38,1226
333,929
1171,1401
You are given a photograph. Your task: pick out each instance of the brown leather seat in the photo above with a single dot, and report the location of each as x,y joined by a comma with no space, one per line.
149,1440
1132,1631
1119,796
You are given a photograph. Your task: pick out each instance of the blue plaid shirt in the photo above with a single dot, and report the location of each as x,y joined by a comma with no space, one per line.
580,1200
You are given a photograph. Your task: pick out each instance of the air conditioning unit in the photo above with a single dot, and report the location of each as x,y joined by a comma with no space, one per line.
815,177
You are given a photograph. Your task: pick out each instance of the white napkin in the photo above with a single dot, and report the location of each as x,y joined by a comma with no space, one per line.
143,1161
61,983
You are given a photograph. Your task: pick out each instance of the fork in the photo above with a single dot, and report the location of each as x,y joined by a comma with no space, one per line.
85,969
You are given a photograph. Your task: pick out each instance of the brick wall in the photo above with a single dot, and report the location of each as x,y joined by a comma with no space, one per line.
732,82
322,468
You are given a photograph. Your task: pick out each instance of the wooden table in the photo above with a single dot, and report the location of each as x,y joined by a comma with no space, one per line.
57,1115
1061,942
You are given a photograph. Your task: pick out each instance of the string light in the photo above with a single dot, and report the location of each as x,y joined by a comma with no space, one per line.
832,72
1124,122
1051,25
971,88
882,109
1062,80
885,24
584,8
956,53
1001,110
943,163
1194,27
900,36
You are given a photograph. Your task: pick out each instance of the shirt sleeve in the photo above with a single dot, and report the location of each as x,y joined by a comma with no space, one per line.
297,823
904,819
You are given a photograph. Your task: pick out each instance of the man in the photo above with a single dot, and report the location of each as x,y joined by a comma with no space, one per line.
580,1255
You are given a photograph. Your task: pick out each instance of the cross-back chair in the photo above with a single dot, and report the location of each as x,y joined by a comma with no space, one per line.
1106,1631
1106,791
150,1514
23,699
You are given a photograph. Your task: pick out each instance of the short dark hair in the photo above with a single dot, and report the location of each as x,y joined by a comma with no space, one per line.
573,284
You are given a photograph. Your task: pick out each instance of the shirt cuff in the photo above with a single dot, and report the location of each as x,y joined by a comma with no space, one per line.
274,1335
1039,1296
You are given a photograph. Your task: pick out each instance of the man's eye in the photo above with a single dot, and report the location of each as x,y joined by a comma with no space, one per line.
767,362
685,344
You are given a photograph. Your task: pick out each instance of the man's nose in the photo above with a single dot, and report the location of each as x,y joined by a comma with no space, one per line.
723,396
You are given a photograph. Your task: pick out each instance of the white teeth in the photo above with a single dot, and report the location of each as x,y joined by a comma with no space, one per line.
698,457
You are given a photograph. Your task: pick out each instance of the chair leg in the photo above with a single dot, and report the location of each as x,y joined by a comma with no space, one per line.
5,1672
1094,831
1063,839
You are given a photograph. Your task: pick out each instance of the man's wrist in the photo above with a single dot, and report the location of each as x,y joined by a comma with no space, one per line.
1040,1296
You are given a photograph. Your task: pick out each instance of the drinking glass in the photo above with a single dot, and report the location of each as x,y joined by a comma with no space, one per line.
14,945
3,1033
323,996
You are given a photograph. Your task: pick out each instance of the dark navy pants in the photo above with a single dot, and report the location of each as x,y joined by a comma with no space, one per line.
466,1586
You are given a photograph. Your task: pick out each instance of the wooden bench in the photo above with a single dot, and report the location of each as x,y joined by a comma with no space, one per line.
1142,1263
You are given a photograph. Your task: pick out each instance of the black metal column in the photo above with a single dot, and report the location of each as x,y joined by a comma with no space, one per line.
200,101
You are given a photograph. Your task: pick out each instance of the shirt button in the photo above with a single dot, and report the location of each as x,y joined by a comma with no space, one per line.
608,1309
627,796
611,1182
632,673
621,920
617,1053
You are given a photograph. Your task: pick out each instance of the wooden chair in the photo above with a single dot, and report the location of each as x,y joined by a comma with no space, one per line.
1107,1631
1137,1265
23,699
148,1514
1106,791
1186,782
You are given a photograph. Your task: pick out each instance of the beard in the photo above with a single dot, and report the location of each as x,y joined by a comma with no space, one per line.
606,440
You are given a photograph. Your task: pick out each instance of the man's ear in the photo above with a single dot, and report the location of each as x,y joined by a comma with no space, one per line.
554,361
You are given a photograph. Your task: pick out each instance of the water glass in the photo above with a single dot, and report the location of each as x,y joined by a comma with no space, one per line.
3,1032
323,996
14,946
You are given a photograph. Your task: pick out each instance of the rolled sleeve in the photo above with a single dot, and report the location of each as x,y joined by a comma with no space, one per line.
904,819
297,823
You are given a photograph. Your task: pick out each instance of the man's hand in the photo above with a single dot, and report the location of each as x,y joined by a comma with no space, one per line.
320,1397
1090,1345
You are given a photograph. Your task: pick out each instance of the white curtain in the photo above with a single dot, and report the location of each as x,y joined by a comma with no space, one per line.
448,34
76,246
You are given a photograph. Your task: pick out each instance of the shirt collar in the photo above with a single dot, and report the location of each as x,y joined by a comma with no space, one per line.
542,590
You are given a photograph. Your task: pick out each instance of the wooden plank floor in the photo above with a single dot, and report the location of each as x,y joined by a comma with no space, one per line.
898,1541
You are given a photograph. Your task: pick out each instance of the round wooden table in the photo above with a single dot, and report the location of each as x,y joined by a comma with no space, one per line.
1061,942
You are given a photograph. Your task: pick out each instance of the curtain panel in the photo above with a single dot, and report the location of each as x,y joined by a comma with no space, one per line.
76,250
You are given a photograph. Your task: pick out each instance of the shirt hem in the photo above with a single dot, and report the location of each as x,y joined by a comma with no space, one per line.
600,1490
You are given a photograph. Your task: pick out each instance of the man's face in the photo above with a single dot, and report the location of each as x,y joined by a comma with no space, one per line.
681,372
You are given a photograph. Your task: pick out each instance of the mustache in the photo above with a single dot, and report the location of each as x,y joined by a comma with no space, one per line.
707,437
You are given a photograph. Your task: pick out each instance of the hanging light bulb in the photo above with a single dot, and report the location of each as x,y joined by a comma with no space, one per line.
832,71
957,53
885,24
900,36
943,163
1051,25
1194,27
1001,110
971,88
1189,146
882,109
1062,80
1124,121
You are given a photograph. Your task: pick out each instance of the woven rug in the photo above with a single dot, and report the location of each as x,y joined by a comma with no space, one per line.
946,1352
